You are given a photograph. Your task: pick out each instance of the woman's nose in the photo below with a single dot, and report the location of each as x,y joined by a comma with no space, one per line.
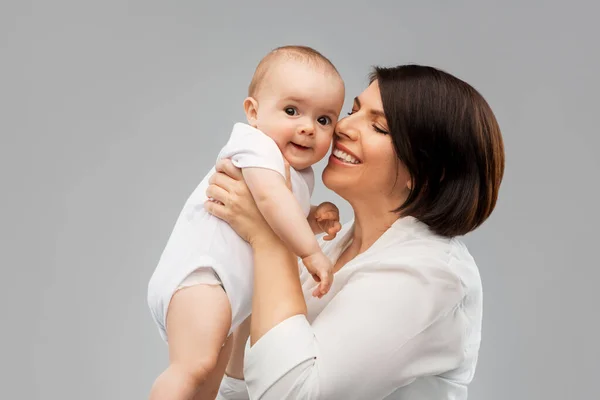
347,128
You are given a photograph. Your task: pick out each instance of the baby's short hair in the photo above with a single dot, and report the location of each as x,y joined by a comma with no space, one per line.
296,53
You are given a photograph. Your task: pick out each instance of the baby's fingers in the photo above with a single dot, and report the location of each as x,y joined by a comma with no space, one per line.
329,236
317,291
324,285
331,228
334,228
327,215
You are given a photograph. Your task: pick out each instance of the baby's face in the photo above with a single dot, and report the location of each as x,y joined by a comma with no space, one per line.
298,107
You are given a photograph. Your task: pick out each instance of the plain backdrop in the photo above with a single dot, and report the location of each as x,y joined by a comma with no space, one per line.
112,111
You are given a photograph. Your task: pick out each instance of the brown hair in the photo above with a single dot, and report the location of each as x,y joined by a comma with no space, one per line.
296,53
447,136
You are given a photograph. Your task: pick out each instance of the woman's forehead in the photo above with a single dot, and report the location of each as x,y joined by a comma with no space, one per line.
370,98
370,94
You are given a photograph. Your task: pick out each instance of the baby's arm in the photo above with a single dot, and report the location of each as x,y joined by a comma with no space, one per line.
283,213
281,210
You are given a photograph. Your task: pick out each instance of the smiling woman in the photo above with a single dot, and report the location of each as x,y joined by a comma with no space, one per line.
420,160
363,160
444,140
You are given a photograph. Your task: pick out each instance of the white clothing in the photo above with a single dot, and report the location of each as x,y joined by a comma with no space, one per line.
401,321
202,240
201,276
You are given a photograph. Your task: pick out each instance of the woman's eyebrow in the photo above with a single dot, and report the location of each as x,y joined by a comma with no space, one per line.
377,113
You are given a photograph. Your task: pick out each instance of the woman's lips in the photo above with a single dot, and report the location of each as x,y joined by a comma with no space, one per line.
343,155
335,160
342,151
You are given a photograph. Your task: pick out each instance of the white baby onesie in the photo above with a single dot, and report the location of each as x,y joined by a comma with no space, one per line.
201,240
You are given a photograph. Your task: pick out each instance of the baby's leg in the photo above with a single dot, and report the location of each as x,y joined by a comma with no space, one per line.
210,389
198,320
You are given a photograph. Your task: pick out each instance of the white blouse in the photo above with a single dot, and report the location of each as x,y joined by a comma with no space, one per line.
401,321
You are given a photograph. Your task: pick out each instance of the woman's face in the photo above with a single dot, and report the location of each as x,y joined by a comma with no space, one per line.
363,165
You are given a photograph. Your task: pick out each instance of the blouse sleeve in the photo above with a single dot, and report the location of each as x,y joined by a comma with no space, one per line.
232,389
383,329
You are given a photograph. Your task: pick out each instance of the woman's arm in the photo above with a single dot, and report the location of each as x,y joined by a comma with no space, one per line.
235,366
274,303
233,386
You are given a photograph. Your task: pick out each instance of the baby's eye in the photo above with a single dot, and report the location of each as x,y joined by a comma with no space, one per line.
291,111
324,120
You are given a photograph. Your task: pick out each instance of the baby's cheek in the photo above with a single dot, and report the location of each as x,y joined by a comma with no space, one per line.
323,148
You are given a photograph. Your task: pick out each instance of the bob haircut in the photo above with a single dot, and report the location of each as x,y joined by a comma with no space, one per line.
447,136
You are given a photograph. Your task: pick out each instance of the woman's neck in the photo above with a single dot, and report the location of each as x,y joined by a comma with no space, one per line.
369,224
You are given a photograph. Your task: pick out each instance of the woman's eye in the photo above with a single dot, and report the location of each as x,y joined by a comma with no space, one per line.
351,112
378,129
291,111
324,120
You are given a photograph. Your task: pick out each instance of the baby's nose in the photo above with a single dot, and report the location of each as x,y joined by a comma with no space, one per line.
307,129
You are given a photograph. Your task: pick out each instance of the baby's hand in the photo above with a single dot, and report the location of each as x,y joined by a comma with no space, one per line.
321,270
327,217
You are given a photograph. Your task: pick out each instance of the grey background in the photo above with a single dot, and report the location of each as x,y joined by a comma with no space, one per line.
111,112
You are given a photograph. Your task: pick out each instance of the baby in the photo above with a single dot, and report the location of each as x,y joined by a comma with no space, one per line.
201,289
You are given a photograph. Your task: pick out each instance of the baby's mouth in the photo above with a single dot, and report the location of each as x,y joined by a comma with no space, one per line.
299,146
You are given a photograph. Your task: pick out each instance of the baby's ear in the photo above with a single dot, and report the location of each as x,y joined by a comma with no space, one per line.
251,110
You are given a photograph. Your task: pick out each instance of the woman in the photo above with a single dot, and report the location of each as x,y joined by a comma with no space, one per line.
420,159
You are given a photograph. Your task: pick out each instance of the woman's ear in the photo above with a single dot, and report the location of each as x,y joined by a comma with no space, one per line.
251,110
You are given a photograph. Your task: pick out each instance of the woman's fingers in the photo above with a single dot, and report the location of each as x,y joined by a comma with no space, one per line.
216,209
229,178
217,193
231,201
288,177
223,180
226,166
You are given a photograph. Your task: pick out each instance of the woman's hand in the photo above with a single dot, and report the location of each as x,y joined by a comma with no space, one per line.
233,203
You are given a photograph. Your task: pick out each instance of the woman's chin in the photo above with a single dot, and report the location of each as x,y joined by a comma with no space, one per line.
333,179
